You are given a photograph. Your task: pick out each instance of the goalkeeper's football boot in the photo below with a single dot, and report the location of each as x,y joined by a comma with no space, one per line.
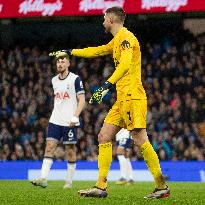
131,181
159,193
121,181
94,192
40,182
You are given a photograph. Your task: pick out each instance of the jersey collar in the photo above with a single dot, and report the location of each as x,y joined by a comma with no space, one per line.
121,30
63,78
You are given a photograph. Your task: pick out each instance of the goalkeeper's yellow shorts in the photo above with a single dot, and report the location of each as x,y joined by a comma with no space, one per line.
128,114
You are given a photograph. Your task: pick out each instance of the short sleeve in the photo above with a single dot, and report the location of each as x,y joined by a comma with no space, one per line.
79,89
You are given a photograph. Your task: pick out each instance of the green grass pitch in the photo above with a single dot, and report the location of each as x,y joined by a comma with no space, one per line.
22,192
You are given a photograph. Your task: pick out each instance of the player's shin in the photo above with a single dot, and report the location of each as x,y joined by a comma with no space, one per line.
153,165
104,162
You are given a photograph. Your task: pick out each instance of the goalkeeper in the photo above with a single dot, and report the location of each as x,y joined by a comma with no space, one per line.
130,109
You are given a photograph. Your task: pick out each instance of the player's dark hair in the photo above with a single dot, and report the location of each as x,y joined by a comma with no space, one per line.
118,11
62,57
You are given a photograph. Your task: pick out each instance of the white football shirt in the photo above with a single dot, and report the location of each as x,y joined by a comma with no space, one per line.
65,98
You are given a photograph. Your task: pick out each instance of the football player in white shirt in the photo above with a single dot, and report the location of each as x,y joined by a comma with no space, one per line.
124,144
69,100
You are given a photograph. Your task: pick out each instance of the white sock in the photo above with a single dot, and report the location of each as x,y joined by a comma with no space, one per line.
129,169
46,166
122,161
71,167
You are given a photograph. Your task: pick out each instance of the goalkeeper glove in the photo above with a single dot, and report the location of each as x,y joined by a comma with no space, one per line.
100,93
61,53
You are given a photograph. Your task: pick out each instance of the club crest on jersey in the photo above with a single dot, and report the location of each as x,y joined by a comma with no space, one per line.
62,96
125,44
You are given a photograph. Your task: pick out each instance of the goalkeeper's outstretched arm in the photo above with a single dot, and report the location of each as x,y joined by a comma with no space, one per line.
92,52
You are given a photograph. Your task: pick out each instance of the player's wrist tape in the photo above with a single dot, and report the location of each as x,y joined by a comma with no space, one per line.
75,120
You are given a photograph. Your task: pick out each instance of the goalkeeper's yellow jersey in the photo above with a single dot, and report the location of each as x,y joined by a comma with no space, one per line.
125,50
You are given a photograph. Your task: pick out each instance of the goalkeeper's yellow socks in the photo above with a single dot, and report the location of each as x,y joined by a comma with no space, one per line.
104,162
152,161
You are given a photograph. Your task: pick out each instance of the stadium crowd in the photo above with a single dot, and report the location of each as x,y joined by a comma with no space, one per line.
174,79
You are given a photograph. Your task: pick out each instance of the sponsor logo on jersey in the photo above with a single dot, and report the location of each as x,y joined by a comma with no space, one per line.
125,44
62,96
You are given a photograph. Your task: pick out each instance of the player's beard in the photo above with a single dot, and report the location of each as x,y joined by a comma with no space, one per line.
61,70
107,29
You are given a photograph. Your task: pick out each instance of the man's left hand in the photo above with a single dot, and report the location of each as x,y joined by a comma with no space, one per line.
100,93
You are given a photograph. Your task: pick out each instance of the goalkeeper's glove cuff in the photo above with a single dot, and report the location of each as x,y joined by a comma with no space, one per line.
107,85
69,51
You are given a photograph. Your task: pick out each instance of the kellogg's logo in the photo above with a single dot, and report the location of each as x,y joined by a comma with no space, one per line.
170,5
46,9
86,5
1,7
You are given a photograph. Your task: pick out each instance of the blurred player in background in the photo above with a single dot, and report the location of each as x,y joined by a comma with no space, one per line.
124,144
130,108
69,101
